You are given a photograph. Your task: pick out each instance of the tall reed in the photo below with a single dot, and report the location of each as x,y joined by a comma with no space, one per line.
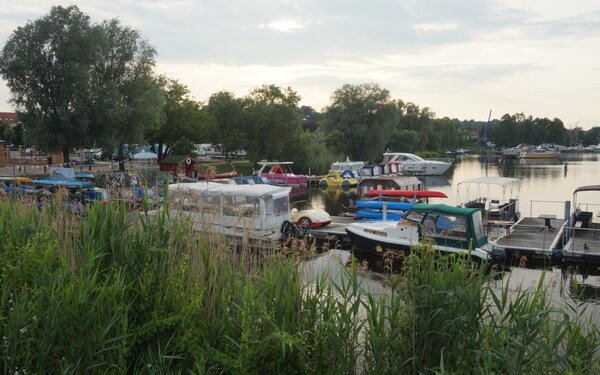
115,291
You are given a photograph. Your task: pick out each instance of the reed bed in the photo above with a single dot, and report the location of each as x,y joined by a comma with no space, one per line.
121,292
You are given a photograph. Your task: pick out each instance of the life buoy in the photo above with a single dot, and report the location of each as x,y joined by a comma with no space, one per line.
188,161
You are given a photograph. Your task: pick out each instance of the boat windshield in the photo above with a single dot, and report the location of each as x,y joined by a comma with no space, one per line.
417,217
281,205
478,226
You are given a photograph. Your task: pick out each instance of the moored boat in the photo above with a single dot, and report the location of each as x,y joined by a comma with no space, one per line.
280,173
335,178
497,197
450,230
408,194
411,164
539,153
255,212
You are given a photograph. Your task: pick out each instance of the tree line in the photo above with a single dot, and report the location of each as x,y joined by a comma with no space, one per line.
78,84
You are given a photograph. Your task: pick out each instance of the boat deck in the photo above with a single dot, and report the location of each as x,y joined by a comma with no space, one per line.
584,245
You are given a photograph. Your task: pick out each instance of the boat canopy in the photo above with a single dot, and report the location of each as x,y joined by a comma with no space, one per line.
503,181
213,188
587,188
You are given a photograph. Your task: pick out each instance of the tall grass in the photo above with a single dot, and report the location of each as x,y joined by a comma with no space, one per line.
122,292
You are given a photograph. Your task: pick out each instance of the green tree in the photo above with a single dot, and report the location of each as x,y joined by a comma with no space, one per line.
411,117
183,123
127,97
272,122
590,137
47,65
6,132
229,130
443,135
360,119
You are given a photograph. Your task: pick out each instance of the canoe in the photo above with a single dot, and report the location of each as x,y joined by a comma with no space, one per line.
406,193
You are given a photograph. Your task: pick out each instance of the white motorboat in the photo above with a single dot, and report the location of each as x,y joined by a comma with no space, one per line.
411,164
450,230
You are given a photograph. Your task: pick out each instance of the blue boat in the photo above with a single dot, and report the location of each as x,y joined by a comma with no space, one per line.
373,209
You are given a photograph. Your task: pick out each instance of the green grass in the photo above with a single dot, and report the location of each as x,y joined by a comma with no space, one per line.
118,292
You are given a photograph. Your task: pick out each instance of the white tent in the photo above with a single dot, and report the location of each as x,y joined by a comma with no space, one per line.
145,159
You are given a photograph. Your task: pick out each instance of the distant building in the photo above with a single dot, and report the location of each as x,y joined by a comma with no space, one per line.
474,134
179,165
9,117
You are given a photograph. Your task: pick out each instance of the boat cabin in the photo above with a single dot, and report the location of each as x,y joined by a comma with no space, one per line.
244,211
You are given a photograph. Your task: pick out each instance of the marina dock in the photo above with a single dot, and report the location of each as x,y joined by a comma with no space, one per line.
529,242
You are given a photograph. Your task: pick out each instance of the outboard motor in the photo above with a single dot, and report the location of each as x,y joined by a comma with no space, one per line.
557,257
498,256
290,229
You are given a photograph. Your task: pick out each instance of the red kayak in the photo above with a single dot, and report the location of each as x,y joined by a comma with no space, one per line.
406,193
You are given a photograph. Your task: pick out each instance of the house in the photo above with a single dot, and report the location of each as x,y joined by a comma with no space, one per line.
178,165
9,117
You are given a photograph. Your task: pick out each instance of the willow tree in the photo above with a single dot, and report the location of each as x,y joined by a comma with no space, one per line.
47,65
79,84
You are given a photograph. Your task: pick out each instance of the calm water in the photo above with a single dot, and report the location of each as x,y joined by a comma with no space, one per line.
544,184
544,187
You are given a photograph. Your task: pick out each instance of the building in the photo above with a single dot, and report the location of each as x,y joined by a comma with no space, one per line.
178,165
9,117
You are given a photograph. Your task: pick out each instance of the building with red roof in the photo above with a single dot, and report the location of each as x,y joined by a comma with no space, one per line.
10,117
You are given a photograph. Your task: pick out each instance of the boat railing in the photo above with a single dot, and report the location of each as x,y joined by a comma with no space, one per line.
504,211
586,206
579,237
545,205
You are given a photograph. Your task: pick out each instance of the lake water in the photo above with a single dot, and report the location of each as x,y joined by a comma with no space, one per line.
545,185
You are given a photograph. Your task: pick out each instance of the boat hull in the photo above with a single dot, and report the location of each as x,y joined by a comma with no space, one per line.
374,246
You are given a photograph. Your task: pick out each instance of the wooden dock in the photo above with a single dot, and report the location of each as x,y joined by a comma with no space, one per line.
529,242
333,234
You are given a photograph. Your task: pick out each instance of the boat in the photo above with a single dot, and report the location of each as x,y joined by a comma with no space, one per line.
251,180
496,197
584,234
380,209
539,153
411,164
280,173
211,173
407,194
391,204
255,212
334,178
347,165
387,183
450,230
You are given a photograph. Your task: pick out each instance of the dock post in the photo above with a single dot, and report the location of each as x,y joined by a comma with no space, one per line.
567,212
384,211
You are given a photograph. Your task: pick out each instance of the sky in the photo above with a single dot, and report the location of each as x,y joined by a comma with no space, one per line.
460,58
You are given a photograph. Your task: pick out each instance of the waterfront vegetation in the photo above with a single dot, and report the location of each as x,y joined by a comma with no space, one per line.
117,292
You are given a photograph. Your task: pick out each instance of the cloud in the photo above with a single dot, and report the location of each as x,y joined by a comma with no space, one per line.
284,25
435,27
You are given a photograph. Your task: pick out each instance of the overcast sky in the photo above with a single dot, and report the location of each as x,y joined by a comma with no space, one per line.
460,58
